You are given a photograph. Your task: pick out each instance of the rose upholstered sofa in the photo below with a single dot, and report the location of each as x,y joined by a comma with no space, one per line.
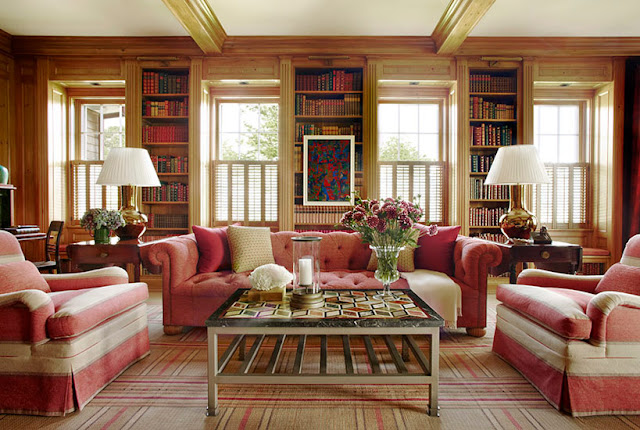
64,337
576,338
196,278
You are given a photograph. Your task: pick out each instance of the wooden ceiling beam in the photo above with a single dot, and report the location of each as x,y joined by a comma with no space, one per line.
457,22
197,17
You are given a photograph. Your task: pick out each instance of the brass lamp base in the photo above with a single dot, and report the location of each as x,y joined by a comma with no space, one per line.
304,300
135,222
518,223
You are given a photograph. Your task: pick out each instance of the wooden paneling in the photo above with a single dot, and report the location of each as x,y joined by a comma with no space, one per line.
441,69
197,17
241,68
617,156
286,175
603,166
573,70
105,46
69,69
525,108
551,46
5,42
6,110
370,130
197,189
457,22
462,190
133,103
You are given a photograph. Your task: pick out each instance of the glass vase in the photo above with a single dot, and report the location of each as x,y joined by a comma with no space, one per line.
387,271
101,235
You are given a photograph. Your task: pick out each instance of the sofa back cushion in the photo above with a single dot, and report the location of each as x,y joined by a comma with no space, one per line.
621,278
21,275
338,250
436,252
213,247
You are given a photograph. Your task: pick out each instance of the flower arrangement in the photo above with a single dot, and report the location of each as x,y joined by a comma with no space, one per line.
385,223
94,219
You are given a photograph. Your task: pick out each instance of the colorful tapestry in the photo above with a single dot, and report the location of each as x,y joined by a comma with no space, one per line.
329,170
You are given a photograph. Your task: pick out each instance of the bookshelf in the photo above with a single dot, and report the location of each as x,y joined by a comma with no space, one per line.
493,122
165,134
328,101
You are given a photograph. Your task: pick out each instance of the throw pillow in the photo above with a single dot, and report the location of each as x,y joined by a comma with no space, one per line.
250,247
436,252
213,247
21,275
621,278
405,260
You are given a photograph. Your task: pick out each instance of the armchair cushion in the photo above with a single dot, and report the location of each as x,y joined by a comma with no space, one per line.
78,311
213,246
621,278
559,310
436,252
21,275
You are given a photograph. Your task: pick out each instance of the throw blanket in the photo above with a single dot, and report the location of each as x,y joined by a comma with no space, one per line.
438,291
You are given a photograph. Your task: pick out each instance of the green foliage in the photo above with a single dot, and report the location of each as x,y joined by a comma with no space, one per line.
112,139
395,149
258,144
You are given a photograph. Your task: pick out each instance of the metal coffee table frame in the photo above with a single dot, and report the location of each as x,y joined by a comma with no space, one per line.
323,327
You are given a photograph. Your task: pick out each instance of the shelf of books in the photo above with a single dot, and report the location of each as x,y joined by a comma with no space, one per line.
328,101
165,134
492,124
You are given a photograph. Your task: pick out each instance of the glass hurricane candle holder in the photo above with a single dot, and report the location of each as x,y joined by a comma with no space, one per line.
306,292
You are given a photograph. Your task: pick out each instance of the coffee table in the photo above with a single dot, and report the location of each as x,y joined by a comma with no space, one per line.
347,314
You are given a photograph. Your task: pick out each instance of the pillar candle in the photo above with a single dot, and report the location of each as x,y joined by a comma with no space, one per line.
306,271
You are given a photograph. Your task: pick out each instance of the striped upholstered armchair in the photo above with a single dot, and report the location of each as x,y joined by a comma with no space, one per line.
576,338
64,337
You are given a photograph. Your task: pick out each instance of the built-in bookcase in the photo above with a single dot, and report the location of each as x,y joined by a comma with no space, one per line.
328,101
493,122
165,133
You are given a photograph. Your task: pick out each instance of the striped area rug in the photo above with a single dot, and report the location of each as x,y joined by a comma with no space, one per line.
168,390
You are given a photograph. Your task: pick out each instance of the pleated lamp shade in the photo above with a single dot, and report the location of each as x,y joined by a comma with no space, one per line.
517,164
128,166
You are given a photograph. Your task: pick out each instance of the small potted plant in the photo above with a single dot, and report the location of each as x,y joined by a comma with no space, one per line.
101,222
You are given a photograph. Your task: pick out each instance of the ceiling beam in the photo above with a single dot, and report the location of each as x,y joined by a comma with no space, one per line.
457,22
197,17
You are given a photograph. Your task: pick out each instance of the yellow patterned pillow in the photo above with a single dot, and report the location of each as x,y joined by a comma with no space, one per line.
405,260
250,247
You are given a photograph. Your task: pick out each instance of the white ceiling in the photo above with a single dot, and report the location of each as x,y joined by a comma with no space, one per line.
614,18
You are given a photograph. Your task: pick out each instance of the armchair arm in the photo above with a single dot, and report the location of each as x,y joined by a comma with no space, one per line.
472,260
614,317
91,279
177,257
23,315
545,278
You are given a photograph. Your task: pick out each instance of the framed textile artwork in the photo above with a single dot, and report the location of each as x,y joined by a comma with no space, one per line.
328,170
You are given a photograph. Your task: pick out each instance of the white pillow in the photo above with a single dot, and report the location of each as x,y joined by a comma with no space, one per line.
270,276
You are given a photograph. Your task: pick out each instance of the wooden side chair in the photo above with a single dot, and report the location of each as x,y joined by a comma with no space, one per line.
51,248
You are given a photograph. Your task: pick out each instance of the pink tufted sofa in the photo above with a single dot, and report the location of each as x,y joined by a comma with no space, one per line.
189,298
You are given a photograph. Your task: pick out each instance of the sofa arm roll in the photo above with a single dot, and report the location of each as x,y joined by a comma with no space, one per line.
39,307
176,257
545,278
90,279
614,317
472,260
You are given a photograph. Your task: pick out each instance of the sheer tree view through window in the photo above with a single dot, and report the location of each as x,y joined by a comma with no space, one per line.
560,140
101,127
410,155
246,170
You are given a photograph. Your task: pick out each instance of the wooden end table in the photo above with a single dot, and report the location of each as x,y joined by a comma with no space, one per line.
565,257
89,255
347,315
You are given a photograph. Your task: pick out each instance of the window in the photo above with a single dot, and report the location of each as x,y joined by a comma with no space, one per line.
246,164
100,126
560,137
410,154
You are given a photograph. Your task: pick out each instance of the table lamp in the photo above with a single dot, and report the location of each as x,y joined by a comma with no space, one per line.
129,168
517,165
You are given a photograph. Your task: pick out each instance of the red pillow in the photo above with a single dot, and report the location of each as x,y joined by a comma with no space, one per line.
21,275
213,247
436,252
621,278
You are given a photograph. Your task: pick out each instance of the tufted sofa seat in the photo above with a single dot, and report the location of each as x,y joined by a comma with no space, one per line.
189,297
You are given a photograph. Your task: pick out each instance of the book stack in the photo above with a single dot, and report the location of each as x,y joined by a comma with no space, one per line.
480,191
494,237
318,214
168,221
484,83
348,106
485,217
166,192
331,80
164,83
480,108
165,133
491,135
165,108
23,229
354,130
481,163
170,164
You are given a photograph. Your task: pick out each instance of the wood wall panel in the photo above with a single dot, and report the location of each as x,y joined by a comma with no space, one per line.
70,69
412,69
6,110
551,46
241,68
286,178
197,189
573,70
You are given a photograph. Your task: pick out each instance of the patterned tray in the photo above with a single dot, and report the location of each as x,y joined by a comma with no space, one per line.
355,304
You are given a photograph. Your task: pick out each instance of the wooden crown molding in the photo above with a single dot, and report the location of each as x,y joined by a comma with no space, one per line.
457,22
551,46
5,42
104,46
197,17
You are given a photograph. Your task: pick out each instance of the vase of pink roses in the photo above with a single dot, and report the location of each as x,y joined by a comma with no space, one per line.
387,226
